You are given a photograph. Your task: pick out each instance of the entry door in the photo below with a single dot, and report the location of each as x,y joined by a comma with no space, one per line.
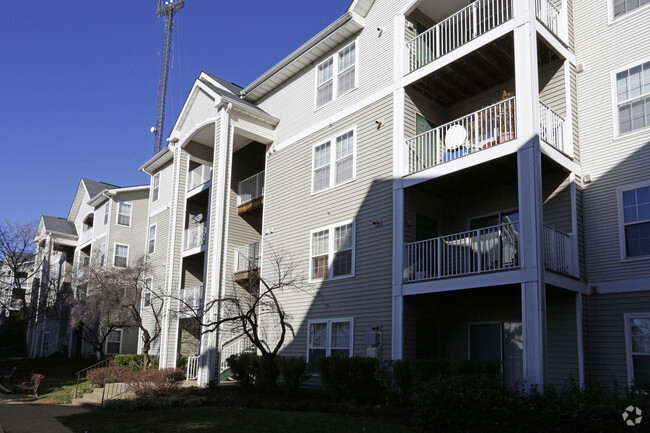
501,343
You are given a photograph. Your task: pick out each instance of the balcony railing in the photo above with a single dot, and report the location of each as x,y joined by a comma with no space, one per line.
192,368
477,131
236,346
194,237
557,251
247,257
86,236
551,127
465,25
549,15
191,298
473,252
198,176
250,189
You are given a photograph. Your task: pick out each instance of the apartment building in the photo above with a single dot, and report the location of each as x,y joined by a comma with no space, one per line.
16,272
106,223
452,181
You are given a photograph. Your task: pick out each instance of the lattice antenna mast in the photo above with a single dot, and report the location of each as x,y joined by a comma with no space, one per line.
167,10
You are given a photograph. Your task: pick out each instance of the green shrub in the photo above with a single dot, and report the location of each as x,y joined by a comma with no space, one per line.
101,376
356,379
135,362
155,383
245,368
154,403
294,371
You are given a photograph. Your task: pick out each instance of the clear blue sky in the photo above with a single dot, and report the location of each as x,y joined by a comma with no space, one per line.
79,83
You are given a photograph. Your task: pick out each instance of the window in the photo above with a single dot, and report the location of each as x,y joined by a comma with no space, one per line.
156,188
336,75
327,175
121,256
633,98
114,342
329,338
332,252
634,217
124,211
637,336
621,7
146,298
106,209
152,239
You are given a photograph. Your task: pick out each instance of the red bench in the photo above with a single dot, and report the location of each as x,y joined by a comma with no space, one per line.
32,385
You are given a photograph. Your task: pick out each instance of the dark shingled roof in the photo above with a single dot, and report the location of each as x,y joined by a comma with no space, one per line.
60,225
233,91
93,187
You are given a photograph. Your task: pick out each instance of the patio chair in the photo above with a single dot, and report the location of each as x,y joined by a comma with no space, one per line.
8,378
32,385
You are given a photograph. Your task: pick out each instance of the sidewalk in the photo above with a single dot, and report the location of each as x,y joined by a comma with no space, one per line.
21,416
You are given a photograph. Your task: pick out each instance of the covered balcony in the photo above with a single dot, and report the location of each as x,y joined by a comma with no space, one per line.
198,176
250,193
194,237
246,264
190,299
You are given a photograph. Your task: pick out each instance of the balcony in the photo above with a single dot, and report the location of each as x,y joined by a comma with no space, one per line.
551,127
549,15
558,251
480,130
247,263
198,176
86,236
194,237
456,30
190,299
250,193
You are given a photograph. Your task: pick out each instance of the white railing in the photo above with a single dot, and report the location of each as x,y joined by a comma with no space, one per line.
482,129
557,251
192,367
191,299
548,14
465,25
198,176
247,257
472,252
233,347
250,189
86,236
194,237
551,127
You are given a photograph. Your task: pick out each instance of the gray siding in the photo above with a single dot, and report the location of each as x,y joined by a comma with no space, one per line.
202,109
562,336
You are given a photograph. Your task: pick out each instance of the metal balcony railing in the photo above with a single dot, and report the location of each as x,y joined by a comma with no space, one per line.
551,127
558,249
194,237
250,189
247,257
549,15
191,298
198,176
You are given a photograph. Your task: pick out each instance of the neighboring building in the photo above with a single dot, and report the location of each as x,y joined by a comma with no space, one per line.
456,182
16,273
105,223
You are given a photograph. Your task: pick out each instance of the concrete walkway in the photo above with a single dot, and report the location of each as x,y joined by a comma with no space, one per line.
20,415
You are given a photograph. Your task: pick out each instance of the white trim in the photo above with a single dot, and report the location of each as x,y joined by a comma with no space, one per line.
613,20
130,214
579,338
159,210
107,213
628,343
331,251
115,244
155,235
620,286
332,163
154,187
621,221
335,73
615,124
107,341
328,342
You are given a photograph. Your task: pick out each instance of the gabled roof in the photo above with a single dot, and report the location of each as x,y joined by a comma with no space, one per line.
58,225
93,187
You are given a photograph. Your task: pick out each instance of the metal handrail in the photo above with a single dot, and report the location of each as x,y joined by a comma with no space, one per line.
103,363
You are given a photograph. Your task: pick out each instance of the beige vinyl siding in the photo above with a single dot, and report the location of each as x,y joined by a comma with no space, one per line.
551,87
611,162
165,189
136,235
562,336
416,103
202,109
209,284
556,193
374,71
581,229
292,211
574,112
605,353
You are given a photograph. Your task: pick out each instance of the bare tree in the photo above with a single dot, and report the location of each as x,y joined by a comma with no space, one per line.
117,298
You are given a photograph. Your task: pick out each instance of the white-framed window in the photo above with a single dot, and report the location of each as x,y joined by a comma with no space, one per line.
114,342
121,257
632,87
634,220
332,251
151,247
102,255
124,211
622,7
329,337
146,296
336,75
637,344
334,161
155,190
106,212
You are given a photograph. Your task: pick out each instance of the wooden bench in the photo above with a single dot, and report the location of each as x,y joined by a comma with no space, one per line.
32,385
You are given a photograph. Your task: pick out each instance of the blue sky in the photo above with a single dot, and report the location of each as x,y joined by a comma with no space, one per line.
79,83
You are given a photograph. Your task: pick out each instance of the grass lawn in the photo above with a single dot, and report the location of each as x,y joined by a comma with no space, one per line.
224,420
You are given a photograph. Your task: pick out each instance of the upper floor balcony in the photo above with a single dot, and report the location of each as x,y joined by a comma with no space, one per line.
194,237
198,176
191,299
250,193
246,264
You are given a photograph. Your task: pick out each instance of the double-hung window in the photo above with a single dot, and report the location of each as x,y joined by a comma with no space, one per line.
633,98
155,191
329,337
106,210
121,256
634,211
637,336
336,75
334,162
332,252
124,211
622,7
152,239
114,342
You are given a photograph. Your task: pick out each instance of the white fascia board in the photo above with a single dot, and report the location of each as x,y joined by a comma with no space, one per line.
188,103
157,160
242,108
361,7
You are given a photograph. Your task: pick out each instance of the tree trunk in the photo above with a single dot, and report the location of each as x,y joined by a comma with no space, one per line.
145,356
